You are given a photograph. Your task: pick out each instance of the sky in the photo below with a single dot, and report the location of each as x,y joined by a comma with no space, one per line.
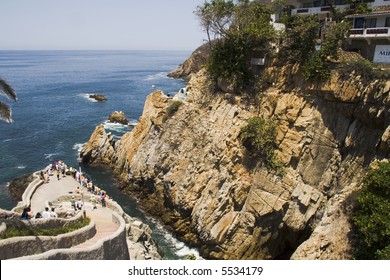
100,25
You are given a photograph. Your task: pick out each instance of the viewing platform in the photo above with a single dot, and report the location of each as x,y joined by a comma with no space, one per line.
111,233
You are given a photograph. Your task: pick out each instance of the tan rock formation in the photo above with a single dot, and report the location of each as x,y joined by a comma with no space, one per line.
193,64
192,171
99,148
118,117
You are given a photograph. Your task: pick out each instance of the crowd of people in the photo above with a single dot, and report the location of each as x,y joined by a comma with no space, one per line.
61,170
48,213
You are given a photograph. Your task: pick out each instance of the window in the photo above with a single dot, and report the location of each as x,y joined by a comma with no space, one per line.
317,4
387,23
359,23
370,22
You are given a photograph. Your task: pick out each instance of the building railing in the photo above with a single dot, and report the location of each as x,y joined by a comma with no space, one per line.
318,10
369,32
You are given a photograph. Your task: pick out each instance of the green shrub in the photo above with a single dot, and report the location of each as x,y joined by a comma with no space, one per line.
299,39
258,136
229,59
13,231
172,109
316,68
372,215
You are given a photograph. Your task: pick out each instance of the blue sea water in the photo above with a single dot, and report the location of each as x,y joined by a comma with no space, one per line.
54,116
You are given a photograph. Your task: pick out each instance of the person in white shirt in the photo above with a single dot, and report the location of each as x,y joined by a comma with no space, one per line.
53,214
79,204
46,213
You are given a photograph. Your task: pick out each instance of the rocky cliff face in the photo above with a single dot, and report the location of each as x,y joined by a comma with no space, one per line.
193,64
191,170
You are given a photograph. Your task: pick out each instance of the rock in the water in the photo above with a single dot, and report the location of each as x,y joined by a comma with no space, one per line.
118,117
18,186
98,97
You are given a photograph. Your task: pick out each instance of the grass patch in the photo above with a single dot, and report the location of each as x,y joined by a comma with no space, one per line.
172,109
14,231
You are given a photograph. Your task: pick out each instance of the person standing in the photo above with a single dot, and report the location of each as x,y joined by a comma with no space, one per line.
103,199
53,214
46,213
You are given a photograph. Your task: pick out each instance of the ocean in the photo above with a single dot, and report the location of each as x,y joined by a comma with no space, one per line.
54,116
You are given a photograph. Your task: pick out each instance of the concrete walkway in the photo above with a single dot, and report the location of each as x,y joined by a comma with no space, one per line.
51,191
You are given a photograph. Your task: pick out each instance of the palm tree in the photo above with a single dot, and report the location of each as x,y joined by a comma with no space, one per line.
5,110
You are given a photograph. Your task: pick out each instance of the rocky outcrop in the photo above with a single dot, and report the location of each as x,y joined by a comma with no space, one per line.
192,171
99,148
18,185
98,97
193,64
140,242
118,117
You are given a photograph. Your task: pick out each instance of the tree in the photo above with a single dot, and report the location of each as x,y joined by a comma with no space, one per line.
237,27
5,110
215,17
299,40
372,216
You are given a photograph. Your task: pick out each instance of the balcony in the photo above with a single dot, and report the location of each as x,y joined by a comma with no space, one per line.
370,33
317,10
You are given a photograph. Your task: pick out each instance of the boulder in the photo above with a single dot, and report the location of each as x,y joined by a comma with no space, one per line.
98,97
118,117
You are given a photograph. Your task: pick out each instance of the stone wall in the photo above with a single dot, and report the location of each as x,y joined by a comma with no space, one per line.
13,219
113,247
30,245
28,193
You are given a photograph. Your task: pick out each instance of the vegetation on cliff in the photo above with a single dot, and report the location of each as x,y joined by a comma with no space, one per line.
26,230
241,30
5,110
237,29
372,216
258,136
172,109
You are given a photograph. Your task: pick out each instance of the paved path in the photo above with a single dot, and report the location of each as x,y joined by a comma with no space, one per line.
51,191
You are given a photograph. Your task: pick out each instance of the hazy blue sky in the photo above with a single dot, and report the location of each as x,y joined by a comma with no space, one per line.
99,25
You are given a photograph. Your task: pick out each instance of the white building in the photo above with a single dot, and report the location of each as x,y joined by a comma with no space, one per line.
370,35
322,8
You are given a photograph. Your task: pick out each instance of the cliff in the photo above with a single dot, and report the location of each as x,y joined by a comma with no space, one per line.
191,170
193,64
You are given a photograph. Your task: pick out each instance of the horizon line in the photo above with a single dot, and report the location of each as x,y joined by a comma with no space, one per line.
119,50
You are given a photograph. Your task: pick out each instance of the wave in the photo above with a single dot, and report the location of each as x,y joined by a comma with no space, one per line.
78,147
7,140
50,156
21,167
118,127
158,76
86,96
181,250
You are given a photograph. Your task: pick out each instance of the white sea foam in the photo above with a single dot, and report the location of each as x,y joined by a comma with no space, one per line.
133,123
21,167
7,140
78,147
86,96
158,76
50,156
181,249
118,127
